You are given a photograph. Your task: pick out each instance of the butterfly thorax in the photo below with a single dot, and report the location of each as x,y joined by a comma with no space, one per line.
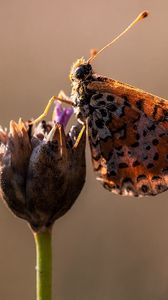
81,75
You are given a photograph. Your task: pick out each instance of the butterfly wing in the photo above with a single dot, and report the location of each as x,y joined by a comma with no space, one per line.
128,134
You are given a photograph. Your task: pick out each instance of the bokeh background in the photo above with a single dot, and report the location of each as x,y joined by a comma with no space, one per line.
107,247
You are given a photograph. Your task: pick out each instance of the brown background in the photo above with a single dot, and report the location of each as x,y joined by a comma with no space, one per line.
106,247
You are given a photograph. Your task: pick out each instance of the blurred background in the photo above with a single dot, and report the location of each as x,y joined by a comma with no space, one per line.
106,247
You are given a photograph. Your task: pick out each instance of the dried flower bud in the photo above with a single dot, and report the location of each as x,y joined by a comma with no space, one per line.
41,173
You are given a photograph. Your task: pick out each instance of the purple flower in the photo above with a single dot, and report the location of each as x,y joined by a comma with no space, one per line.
61,114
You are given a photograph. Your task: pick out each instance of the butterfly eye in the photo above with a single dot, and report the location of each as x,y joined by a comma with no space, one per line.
83,71
80,72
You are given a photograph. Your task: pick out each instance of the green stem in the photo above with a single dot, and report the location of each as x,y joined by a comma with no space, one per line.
43,265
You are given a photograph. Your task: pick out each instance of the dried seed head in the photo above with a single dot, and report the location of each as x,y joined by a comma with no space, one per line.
41,174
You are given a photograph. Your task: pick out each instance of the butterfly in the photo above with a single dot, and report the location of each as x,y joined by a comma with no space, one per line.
127,130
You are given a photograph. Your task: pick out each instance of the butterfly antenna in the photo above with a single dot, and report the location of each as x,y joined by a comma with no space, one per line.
140,17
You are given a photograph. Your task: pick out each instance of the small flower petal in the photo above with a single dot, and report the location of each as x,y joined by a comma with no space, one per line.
61,114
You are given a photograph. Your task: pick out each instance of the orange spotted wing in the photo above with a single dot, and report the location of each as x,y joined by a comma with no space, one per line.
133,159
128,132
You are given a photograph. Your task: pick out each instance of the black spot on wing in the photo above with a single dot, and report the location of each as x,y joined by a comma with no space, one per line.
155,142
112,107
119,148
127,180
140,104
155,111
165,171
126,101
137,136
136,163
136,144
156,177
152,127
112,173
144,133
103,112
99,123
156,156
121,154
123,165
144,188
110,98
150,166
141,177
161,188
97,96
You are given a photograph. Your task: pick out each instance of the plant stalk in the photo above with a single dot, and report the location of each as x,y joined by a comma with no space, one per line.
43,243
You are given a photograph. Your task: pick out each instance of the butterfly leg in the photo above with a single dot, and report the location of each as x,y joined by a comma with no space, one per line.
65,97
61,97
79,136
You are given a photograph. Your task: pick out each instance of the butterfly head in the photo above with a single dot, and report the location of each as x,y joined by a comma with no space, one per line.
81,70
